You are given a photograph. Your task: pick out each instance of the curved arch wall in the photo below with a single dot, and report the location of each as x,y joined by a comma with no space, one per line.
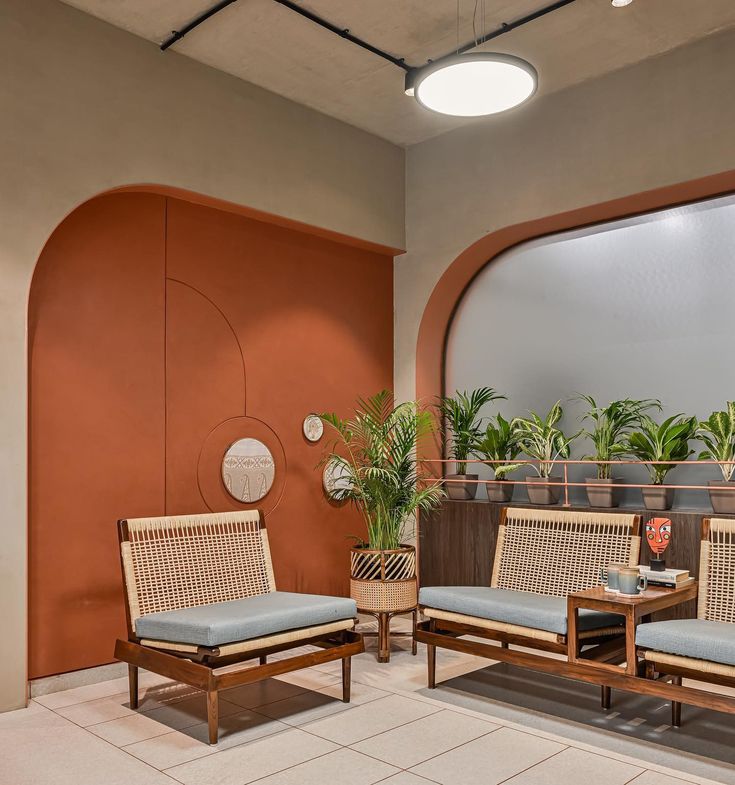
638,308
160,332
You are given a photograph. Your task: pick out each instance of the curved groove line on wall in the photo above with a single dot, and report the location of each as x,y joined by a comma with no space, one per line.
231,329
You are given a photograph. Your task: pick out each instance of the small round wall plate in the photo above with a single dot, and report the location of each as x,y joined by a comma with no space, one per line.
313,427
335,478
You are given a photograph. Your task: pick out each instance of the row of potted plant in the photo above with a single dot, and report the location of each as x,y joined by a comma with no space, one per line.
621,429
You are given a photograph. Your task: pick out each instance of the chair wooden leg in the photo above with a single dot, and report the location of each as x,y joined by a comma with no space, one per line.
605,696
676,706
263,660
414,644
503,644
133,684
346,678
431,660
213,715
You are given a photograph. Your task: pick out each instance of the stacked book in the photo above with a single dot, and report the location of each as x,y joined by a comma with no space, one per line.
674,579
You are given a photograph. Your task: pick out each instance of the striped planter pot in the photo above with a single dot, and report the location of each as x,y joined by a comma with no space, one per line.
383,581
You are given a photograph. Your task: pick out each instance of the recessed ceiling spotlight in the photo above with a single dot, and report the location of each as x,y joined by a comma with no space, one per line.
473,85
621,3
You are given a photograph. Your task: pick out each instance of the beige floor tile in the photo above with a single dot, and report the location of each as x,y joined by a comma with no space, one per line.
240,728
190,711
405,778
410,744
359,693
261,692
489,759
170,749
656,778
248,762
94,712
573,765
372,718
310,706
41,748
311,678
128,730
34,717
343,767
303,708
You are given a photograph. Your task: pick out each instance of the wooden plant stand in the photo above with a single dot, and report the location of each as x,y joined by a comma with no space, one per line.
384,632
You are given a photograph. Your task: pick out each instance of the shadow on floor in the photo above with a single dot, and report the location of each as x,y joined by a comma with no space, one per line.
557,705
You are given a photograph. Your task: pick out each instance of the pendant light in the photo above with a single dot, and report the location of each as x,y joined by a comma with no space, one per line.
473,85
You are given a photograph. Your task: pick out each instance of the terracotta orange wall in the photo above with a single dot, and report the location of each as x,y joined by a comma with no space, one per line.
160,332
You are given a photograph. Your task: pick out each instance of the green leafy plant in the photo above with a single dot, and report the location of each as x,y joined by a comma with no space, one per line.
376,451
461,416
498,443
718,434
609,426
668,441
539,438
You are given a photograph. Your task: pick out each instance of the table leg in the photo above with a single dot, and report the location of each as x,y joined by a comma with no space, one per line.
631,661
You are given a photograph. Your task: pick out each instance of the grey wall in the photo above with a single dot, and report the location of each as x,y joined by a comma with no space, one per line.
662,121
638,308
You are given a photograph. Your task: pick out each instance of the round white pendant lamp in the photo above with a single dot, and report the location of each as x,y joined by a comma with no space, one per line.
473,85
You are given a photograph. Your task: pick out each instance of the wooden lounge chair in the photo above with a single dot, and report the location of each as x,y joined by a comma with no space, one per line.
702,649
541,556
201,604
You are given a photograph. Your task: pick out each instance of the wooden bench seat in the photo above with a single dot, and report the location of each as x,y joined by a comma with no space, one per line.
542,555
202,604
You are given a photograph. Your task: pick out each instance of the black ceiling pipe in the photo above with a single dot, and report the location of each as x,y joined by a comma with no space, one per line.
505,27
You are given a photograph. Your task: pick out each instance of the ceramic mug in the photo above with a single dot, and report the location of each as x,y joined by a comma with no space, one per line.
610,577
631,582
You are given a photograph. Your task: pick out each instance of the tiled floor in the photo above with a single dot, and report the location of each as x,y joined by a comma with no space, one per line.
295,731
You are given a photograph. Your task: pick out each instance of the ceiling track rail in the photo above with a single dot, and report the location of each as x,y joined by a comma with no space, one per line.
344,33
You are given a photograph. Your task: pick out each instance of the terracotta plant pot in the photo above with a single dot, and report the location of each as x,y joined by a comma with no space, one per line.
603,497
461,491
502,491
657,498
544,494
722,500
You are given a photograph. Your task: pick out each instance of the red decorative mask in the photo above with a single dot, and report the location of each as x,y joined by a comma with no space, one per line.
658,534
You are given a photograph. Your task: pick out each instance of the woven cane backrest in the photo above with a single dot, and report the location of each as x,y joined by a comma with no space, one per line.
557,552
717,572
181,561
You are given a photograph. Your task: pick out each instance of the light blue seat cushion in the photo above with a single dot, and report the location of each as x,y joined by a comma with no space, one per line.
523,608
697,638
240,620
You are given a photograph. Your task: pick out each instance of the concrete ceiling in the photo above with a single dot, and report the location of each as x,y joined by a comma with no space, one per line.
264,43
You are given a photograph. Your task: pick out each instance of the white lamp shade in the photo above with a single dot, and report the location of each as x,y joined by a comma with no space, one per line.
476,84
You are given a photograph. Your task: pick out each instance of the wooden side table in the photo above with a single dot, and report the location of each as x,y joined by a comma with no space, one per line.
634,610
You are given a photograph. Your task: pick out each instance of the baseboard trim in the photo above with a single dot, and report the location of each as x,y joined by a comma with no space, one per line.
67,681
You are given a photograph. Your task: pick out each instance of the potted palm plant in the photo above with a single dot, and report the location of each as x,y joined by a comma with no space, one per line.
375,450
540,438
658,444
718,434
609,426
499,443
460,415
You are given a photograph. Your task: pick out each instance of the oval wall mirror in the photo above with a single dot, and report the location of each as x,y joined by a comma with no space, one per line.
248,470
